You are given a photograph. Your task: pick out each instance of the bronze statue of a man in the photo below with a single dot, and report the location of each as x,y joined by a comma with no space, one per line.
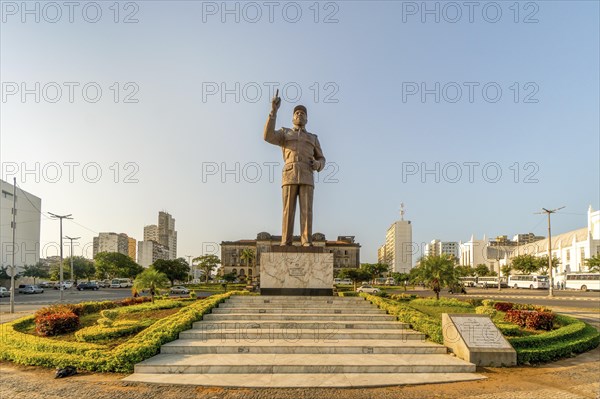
302,155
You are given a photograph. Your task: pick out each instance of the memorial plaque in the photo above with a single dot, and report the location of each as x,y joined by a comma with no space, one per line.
475,338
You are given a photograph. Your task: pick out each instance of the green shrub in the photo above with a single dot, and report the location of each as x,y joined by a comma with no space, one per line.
531,319
487,310
193,294
348,293
403,297
23,348
116,330
442,302
105,322
55,320
110,314
406,314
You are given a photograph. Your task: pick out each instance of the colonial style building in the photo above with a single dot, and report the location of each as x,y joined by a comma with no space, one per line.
346,252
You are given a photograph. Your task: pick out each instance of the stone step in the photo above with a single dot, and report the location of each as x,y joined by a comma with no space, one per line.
312,325
299,380
323,310
265,335
302,363
307,346
292,317
296,305
296,299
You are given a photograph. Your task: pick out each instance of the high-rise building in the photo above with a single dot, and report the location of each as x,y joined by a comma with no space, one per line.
167,235
111,242
151,233
28,218
398,249
437,248
131,247
150,251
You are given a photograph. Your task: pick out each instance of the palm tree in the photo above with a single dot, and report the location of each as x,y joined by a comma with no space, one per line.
152,280
436,272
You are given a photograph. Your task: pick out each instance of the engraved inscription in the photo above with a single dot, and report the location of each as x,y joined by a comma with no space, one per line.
479,332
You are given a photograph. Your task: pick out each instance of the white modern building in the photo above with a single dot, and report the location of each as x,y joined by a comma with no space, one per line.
571,248
27,233
475,252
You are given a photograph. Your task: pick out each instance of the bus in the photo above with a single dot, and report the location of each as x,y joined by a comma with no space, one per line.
583,281
468,281
531,281
491,281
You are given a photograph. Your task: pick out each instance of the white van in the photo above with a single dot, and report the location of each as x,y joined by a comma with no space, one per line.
121,283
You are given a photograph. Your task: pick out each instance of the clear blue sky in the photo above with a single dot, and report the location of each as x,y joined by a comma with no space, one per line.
368,65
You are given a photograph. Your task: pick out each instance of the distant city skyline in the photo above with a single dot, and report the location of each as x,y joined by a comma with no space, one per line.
474,122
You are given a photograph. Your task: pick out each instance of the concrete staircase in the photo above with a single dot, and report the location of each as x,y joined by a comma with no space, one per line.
258,341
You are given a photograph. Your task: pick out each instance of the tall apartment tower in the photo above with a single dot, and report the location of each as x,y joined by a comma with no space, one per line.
398,245
111,242
167,236
151,233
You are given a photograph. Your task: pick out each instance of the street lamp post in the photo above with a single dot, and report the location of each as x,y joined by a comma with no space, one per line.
550,271
61,284
72,238
191,266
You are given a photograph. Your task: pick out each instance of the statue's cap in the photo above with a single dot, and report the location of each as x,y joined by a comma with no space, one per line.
302,107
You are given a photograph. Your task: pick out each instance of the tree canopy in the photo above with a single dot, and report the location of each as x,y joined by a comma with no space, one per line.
436,272
375,270
207,263
174,269
355,275
152,280
36,271
593,263
113,264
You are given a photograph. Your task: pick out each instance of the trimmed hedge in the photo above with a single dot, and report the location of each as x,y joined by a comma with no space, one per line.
531,319
116,330
442,302
406,314
27,349
574,337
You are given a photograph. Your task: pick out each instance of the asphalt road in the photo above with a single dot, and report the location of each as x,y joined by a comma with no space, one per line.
28,302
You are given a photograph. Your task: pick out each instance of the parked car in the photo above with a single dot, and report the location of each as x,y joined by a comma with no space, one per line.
104,283
369,289
65,285
4,292
121,283
31,289
87,286
178,289
47,284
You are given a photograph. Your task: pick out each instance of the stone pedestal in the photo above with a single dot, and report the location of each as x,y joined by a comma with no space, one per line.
475,338
290,270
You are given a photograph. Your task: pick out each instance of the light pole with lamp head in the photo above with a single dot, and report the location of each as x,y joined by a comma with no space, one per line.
61,283
72,238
